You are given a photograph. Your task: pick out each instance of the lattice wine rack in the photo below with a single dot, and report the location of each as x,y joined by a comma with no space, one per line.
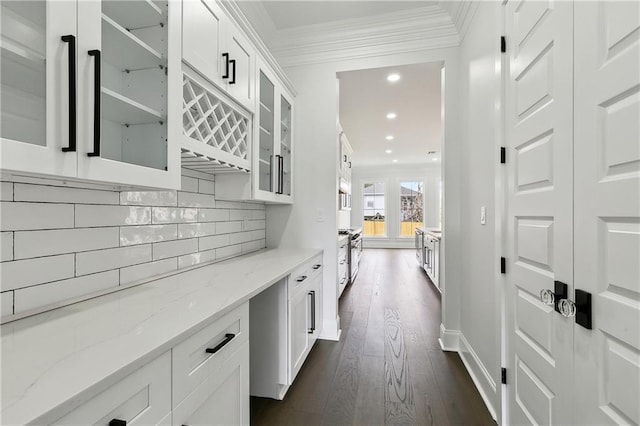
216,133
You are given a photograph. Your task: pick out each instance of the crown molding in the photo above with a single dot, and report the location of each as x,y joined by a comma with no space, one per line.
461,13
398,32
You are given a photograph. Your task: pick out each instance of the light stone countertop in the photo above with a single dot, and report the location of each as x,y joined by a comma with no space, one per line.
57,360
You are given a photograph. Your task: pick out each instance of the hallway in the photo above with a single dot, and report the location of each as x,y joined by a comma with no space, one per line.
388,367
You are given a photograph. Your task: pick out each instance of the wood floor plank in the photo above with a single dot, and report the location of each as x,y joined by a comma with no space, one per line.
370,400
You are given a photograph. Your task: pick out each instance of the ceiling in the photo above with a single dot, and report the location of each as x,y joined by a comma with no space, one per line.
365,99
290,14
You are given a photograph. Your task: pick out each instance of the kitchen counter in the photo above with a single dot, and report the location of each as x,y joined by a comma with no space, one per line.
55,361
435,233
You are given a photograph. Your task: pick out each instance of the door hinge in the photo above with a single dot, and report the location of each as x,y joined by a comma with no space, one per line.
503,265
503,44
503,378
503,155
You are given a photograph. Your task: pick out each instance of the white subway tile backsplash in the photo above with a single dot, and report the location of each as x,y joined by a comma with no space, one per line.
192,199
24,273
27,216
253,225
213,215
174,248
6,303
196,258
229,205
61,194
228,227
139,272
131,235
46,294
253,246
102,260
260,234
228,251
87,215
239,214
174,215
240,237
258,214
189,184
58,241
206,187
207,243
253,206
6,246
6,191
200,229
149,198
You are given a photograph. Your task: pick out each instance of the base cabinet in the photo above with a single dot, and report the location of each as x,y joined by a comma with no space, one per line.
222,399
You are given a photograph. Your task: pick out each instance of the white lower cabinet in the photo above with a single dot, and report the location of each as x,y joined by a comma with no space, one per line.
223,397
142,398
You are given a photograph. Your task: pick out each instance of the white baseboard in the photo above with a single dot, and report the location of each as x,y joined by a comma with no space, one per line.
449,339
479,374
331,330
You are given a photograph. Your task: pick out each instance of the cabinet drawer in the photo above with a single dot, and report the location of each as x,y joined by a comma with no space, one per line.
306,272
192,364
315,266
141,398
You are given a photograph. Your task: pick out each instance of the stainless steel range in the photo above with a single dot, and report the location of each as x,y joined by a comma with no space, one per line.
354,252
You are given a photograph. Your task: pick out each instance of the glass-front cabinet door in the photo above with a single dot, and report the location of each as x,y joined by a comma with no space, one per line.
265,135
285,146
38,89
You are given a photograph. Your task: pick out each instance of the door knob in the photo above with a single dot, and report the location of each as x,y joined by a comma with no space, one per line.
567,308
581,309
547,297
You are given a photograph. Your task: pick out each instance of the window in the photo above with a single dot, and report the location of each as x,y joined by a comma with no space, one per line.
374,212
411,207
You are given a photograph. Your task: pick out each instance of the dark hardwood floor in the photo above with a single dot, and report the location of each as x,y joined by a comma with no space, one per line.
388,367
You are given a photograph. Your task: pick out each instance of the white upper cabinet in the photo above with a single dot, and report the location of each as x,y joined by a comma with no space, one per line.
89,93
217,49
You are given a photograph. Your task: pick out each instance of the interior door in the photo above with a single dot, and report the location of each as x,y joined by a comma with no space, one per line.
539,217
607,205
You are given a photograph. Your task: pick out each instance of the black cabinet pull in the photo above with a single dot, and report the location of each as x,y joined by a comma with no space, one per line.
118,422
317,266
301,278
71,39
233,72
281,178
227,338
225,56
312,293
349,164
96,103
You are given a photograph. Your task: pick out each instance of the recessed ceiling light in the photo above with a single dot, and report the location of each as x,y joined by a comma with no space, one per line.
395,161
391,115
389,138
388,151
393,77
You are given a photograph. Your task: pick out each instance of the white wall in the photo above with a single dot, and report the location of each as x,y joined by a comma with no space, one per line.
479,256
392,176
312,220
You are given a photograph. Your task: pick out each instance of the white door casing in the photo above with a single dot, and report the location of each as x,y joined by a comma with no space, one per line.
607,210
539,135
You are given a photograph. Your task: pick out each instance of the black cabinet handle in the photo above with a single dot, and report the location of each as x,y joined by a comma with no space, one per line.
225,56
317,266
233,72
312,293
349,164
71,39
96,103
118,422
301,278
227,338
281,183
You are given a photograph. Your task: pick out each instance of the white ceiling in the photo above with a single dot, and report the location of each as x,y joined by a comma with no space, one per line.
291,14
365,99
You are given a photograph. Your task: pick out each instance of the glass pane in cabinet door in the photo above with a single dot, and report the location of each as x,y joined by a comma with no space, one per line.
134,82
22,69
285,144
265,134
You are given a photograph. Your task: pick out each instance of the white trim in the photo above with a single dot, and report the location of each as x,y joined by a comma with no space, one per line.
479,374
391,33
461,13
331,330
449,339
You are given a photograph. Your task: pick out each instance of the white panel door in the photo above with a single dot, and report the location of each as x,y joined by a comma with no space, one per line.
36,123
539,217
607,210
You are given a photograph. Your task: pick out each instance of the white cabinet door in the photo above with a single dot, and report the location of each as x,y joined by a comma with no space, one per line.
316,310
203,39
240,83
285,164
607,205
539,134
223,399
300,326
37,107
129,84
